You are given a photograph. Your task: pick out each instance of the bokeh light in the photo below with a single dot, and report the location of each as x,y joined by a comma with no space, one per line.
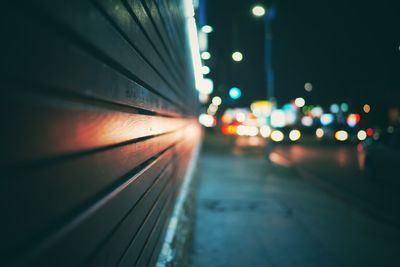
299,102
237,56
294,135
207,29
319,133
362,135
277,136
367,108
308,87
258,11
205,55
235,93
341,135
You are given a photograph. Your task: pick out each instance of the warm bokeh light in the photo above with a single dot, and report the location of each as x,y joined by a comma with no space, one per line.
341,135
240,117
294,135
265,131
212,109
370,132
278,118
205,55
362,135
207,120
207,29
226,118
237,56
299,102
353,120
367,108
277,136
319,133
205,70
207,86
317,112
216,100
203,98
307,121
229,129
258,11
243,130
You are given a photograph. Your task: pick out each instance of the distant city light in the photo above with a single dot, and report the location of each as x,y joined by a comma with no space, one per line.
205,70
327,119
353,120
241,130
206,120
265,131
278,118
229,129
319,133
362,135
237,56
334,108
205,55
341,135
307,121
240,117
290,117
294,135
203,98
207,86
216,100
235,93
299,102
226,118
258,11
317,112
207,29
261,108
308,87
212,109
247,130
367,108
370,132
277,136
344,107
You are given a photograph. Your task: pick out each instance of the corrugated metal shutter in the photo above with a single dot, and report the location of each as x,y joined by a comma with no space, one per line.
98,112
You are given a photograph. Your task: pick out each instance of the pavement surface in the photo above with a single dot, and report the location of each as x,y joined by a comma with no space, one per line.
251,212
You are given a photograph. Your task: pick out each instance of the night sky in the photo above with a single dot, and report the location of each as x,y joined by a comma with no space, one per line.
348,50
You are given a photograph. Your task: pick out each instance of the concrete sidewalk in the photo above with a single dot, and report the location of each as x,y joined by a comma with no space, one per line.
252,213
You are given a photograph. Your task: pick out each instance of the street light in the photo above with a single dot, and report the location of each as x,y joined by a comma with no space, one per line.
205,55
207,29
268,17
258,11
237,56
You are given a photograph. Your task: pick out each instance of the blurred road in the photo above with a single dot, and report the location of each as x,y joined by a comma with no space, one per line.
310,207
335,169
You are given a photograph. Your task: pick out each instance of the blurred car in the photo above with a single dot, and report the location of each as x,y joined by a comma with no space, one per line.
379,157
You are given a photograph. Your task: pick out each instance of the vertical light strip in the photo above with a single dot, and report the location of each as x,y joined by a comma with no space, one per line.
193,43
